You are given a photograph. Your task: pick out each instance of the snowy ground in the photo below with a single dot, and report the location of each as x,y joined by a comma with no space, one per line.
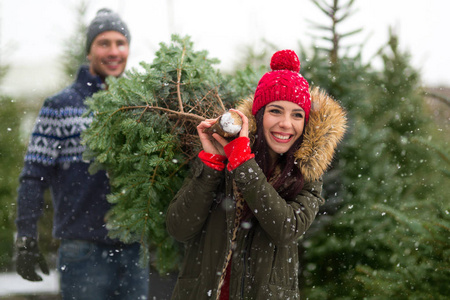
12,284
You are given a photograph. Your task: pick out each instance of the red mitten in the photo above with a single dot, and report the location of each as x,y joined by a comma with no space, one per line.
214,161
238,151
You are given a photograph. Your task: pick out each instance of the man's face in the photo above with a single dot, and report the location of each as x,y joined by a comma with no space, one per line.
108,54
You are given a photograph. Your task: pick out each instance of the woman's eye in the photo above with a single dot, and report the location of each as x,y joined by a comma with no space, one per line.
275,111
299,116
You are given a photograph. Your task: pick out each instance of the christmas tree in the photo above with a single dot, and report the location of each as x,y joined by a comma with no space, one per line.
387,235
11,149
144,134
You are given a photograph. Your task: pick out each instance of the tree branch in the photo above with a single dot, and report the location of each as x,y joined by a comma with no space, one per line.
179,69
183,115
436,96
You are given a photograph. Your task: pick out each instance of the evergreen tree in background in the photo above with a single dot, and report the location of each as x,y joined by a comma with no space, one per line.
3,70
11,158
74,47
389,235
144,134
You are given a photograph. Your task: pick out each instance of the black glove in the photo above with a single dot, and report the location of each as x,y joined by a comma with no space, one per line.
27,258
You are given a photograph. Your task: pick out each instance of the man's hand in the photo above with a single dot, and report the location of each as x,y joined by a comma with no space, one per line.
28,257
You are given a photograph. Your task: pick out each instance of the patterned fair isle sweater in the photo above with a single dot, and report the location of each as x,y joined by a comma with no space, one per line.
54,160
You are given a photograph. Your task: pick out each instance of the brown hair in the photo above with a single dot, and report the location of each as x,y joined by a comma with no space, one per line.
285,161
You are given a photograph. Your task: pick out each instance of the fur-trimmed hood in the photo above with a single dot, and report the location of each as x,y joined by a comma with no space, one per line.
325,129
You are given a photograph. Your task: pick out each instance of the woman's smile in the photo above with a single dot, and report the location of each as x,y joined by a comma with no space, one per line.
281,137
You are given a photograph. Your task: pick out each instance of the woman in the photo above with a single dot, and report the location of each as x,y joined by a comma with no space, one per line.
248,201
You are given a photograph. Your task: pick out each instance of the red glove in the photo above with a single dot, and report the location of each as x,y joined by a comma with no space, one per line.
214,161
238,151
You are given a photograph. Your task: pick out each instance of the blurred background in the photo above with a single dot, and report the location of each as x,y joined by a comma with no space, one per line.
33,34
385,229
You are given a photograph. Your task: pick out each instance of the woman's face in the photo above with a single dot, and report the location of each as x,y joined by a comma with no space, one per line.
283,124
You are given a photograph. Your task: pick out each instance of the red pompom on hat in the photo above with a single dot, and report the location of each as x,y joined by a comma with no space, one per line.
283,83
285,60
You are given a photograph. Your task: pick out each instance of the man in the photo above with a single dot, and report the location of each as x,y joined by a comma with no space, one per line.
91,265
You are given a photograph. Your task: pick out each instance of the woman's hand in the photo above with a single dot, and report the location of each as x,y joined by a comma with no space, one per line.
210,141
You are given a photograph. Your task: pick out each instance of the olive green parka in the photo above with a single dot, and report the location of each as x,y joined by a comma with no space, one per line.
264,263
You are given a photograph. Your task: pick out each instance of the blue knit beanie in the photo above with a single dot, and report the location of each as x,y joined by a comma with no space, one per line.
105,20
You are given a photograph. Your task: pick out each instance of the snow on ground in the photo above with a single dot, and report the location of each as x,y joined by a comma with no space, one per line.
12,284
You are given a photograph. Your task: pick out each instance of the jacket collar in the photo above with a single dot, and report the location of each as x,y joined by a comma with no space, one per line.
87,83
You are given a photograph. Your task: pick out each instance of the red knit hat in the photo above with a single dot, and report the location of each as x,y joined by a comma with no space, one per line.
283,83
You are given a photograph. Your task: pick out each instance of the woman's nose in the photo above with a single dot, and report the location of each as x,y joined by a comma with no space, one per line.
285,122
